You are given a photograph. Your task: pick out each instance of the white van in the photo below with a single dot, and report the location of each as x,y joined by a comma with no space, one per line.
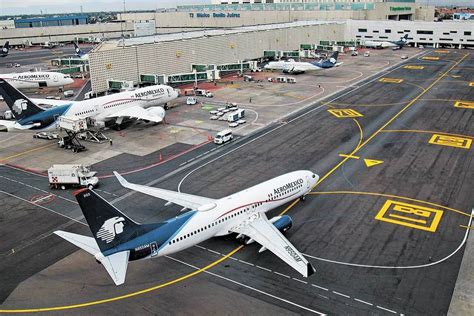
223,137
68,93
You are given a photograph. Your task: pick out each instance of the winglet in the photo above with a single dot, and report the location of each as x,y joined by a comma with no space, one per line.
121,179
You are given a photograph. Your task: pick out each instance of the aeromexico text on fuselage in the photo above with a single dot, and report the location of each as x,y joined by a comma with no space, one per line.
149,92
32,77
288,186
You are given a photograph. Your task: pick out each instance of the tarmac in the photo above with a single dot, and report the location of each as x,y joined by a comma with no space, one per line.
386,226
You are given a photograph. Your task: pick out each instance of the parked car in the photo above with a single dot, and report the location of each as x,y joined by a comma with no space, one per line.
214,117
404,57
233,124
45,135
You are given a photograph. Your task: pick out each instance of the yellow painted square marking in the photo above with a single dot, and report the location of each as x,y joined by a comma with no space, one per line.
430,58
440,51
343,113
414,67
391,80
410,215
451,141
464,104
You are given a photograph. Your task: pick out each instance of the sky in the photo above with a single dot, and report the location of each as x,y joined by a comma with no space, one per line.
12,7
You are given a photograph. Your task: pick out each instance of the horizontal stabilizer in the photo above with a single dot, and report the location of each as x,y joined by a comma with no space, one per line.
116,265
84,242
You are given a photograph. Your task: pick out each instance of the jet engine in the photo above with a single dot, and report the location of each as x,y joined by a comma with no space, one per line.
157,111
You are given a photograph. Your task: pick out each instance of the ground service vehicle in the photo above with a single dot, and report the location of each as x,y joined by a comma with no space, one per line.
236,115
223,137
63,176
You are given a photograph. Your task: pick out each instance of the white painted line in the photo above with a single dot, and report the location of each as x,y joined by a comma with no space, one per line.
386,309
337,293
43,198
363,302
200,247
320,287
233,258
250,288
283,275
217,253
263,268
323,296
304,282
250,264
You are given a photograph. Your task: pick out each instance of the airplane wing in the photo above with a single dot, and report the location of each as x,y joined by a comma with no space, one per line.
259,228
138,113
193,202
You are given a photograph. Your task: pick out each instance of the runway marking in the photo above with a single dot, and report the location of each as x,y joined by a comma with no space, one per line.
27,152
464,104
361,132
344,295
363,302
344,113
414,67
391,120
132,294
442,51
386,309
263,268
450,141
283,275
349,156
40,199
320,287
422,131
250,288
430,58
410,215
301,281
391,80
372,162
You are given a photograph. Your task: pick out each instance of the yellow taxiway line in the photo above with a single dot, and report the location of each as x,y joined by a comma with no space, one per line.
25,152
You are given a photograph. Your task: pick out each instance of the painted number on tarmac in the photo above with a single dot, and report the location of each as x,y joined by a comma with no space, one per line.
391,80
451,141
430,58
343,113
410,215
464,104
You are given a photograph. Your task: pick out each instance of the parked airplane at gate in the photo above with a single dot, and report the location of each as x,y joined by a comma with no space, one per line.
5,49
118,239
80,53
37,79
384,44
143,104
296,67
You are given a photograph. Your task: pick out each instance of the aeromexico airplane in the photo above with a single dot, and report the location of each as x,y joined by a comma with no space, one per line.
143,104
383,44
80,53
37,79
5,49
117,239
297,67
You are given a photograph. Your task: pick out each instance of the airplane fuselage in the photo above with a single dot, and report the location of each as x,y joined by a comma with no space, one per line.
218,218
40,79
99,109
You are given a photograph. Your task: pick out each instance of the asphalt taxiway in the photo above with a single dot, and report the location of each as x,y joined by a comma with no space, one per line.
385,227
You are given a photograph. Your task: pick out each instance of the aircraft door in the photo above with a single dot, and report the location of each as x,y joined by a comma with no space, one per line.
153,249
55,78
308,183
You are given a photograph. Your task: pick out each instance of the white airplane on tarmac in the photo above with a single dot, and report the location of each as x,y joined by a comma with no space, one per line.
297,67
403,41
117,239
37,79
143,104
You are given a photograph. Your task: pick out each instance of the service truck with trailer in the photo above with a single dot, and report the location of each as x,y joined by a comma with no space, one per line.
64,176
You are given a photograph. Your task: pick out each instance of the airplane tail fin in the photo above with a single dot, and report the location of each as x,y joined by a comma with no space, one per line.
333,58
78,50
6,48
108,225
20,105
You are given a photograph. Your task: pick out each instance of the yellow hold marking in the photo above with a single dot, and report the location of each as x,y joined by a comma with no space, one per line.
372,162
430,58
464,104
410,215
451,141
414,67
440,51
391,80
343,113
